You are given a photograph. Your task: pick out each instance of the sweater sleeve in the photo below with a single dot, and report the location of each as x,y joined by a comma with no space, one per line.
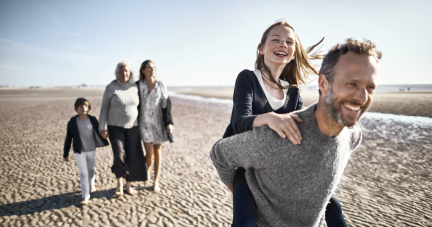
243,98
103,116
252,149
68,141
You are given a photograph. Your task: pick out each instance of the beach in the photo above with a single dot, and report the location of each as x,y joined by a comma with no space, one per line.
387,181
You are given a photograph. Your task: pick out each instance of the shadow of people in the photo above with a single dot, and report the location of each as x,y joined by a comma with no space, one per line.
50,203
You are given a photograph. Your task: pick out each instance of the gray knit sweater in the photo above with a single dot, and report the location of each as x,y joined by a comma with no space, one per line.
291,184
119,105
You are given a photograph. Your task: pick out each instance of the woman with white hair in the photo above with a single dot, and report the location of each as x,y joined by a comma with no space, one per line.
119,111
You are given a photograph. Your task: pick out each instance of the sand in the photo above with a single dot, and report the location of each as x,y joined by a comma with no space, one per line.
387,181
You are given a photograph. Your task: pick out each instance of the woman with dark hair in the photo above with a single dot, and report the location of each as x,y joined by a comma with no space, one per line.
154,125
119,111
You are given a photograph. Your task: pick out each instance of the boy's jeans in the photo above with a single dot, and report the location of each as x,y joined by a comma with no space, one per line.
86,167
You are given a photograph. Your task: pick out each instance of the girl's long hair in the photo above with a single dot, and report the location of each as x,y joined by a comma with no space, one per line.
297,71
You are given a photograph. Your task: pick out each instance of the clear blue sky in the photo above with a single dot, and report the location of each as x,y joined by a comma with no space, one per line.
66,43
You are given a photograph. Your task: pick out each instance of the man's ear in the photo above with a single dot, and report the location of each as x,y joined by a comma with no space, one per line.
323,84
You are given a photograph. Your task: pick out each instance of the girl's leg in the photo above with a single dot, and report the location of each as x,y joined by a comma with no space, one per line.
244,206
149,156
83,173
333,214
157,148
91,156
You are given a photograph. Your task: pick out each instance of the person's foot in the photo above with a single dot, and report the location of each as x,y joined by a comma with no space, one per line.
93,189
119,191
156,187
85,201
131,191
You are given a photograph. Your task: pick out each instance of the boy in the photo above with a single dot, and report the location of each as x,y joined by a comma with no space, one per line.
82,129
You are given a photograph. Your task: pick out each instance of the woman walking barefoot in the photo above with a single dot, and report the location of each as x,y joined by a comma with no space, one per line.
153,127
119,111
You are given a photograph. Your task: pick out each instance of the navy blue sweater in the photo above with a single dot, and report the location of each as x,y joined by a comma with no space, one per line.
250,100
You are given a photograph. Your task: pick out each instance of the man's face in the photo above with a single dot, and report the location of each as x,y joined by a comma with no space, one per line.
350,93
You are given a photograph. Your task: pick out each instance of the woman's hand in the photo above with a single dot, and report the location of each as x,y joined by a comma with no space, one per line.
283,124
170,128
104,134
66,159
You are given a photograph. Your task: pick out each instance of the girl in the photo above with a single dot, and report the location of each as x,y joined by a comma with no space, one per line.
267,96
153,123
82,131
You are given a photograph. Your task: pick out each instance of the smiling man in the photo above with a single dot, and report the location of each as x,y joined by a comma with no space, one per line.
292,184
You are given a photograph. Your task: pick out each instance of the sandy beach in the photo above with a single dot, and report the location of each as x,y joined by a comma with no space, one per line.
387,181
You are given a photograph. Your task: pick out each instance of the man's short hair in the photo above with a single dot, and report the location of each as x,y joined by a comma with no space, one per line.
82,102
332,57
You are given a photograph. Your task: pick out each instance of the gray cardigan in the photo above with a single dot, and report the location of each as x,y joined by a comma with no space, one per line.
291,184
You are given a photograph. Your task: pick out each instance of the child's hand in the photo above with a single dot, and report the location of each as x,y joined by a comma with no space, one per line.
104,134
66,159
170,128
285,125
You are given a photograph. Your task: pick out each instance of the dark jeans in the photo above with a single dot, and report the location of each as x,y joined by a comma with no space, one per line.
129,161
244,206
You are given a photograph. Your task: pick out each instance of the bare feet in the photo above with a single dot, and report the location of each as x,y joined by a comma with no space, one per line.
93,189
85,201
156,187
119,191
130,190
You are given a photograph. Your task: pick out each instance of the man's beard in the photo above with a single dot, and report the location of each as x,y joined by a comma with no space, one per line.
334,109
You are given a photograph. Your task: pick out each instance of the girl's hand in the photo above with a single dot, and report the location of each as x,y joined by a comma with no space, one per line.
104,134
66,159
284,125
170,128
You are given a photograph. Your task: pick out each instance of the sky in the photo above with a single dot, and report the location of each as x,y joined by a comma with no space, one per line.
196,43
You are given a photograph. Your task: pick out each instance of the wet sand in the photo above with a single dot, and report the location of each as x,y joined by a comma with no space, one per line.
387,181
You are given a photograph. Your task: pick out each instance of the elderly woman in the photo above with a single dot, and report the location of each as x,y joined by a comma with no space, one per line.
120,112
155,120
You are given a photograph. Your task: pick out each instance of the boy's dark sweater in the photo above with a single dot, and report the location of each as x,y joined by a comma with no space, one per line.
72,135
250,100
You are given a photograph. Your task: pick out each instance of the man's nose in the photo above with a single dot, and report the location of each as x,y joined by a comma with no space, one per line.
361,96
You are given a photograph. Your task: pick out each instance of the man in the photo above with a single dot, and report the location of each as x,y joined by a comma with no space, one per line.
291,183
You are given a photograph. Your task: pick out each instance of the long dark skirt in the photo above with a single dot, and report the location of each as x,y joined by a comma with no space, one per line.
129,160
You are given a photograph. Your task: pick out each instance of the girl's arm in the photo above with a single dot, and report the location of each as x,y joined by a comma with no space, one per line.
282,124
67,143
242,98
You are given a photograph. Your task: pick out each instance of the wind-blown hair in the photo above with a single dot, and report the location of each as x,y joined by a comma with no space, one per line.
332,57
297,71
125,63
143,65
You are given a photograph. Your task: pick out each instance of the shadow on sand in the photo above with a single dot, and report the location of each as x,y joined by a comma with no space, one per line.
51,203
